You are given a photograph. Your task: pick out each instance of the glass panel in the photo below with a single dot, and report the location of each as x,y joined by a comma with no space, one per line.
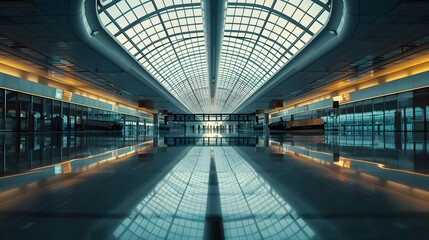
79,118
405,103
72,116
66,114
47,114
391,113
86,112
11,108
420,103
378,114
358,116
25,115
408,116
342,118
2,105
367,119
58,120
37,112
427,115
350,124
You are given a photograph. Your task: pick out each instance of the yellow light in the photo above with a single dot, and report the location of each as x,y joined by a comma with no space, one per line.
337,98
66,168
407,68
76,86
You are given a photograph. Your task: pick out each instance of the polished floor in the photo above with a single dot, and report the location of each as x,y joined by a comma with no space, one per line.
214,185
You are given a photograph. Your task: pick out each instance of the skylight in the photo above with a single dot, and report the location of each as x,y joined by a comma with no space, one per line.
260,37
167,38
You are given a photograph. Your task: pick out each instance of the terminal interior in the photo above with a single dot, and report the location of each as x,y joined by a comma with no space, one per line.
214,119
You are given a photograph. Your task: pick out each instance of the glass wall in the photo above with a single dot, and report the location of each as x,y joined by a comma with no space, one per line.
408,111
11,99
37,112
24,120
46,114
378,114
421,109
2,109
24,112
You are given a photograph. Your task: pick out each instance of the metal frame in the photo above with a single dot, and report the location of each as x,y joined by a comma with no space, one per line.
212,55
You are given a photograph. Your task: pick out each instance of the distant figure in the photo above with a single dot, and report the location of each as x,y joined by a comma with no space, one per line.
281,119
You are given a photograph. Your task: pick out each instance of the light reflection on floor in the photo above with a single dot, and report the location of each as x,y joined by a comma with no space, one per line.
250,207
331,186
175,208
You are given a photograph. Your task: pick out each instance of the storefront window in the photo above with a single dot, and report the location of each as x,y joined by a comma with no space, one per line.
2,108
11,108
378,114
367,115
392,114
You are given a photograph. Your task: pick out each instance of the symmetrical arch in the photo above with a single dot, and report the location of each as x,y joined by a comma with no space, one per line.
168,39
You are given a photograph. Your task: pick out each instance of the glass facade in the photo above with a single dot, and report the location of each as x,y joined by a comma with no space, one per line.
27,113
407,111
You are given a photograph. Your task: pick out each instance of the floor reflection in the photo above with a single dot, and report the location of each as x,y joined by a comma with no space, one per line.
20,152
251,208
31,179
404,151
332,186
177,208
375,159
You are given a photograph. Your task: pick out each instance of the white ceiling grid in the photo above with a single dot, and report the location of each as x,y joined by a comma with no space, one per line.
167,38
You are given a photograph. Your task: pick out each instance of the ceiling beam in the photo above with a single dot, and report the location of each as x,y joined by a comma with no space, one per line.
214,19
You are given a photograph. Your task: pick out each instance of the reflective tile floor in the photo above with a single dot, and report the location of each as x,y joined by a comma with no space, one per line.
213,185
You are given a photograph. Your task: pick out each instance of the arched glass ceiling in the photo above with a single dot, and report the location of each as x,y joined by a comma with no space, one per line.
260,37
167,38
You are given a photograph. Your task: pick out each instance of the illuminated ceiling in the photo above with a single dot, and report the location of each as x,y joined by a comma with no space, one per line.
256,39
